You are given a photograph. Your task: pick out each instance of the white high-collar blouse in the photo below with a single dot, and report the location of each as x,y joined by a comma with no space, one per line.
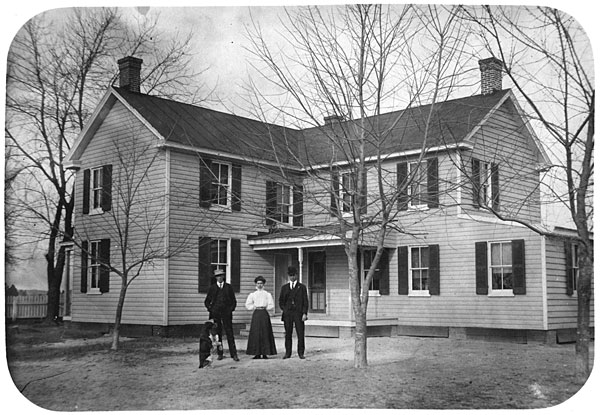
260,299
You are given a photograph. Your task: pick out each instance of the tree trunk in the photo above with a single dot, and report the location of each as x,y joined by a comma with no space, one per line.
118,315
360,339
584,292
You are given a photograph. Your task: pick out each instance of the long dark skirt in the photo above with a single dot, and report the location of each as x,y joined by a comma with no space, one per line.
260,339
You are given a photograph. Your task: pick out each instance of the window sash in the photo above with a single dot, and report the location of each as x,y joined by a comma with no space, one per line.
219,254
418,268
96,188
501,266
220,185
486,184
574,265
367,259
283,204
347,186
94,266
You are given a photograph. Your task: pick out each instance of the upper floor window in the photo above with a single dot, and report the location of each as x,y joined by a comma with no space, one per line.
486,184
347,187
284,204
97,189
417,189
418,184
220,184
344,189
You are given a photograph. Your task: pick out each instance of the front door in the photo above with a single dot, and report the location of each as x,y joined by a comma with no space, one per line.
282,261
316,281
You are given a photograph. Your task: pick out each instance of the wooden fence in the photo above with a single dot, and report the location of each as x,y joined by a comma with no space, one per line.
29,306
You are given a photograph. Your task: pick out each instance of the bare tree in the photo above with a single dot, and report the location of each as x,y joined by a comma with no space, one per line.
547,57
58,67
351,64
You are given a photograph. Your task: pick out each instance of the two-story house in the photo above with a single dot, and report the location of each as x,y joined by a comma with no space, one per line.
241,195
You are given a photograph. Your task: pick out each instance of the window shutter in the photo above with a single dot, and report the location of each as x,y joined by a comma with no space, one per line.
481,268
298,206
106,197
432,183
271,202
104,258
84,265
236,187
204,270
476,181
434,269
364,193
518,257
495,186
403,270
235,269
205,183
569,267
384,273
86,192
335,192
402,186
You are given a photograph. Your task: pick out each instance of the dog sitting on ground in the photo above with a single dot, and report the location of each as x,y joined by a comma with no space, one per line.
209,341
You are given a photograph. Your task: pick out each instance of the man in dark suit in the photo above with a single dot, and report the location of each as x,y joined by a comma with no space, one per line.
220,303
293,301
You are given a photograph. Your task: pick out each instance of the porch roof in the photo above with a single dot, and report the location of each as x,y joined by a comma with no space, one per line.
314,236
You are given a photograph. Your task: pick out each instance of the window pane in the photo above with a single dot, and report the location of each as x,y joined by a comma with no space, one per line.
425,257
506,254
425,279
496,254
507,280
416,280
496,279
414,258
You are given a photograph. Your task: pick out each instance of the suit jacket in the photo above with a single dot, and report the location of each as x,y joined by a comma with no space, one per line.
294,301
227,303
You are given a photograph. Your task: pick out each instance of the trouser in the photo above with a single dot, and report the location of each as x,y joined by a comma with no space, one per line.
289,321
225,322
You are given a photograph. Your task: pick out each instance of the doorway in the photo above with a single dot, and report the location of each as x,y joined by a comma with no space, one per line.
317,267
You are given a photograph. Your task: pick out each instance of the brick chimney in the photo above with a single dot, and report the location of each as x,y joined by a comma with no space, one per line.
332,119
491,75
129,73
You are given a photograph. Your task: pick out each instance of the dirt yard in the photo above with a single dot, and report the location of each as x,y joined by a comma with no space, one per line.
60,369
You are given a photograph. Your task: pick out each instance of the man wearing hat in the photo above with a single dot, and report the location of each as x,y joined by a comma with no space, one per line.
293,301
220,303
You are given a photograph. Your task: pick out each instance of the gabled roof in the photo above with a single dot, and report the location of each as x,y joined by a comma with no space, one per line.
176,124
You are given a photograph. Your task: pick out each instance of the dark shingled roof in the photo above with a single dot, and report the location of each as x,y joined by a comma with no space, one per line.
451,121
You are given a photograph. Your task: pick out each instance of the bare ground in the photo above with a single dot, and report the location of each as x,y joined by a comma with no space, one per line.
60,369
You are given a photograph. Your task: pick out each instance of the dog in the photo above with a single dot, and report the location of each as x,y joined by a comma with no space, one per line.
209,341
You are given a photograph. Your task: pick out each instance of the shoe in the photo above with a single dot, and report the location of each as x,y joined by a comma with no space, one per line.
235,358
301,356
264,356
256,357
287,356
220,357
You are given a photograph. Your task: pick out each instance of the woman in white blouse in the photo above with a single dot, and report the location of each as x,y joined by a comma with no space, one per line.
260,340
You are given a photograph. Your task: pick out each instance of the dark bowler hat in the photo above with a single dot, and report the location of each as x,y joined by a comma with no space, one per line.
292,271
259,278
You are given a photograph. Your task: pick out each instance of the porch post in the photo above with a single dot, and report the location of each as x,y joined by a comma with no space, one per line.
300,259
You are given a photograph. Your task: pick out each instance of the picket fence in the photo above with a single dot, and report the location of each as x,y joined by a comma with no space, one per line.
29,306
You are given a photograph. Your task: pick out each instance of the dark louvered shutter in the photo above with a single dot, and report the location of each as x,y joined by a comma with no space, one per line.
432,183
364,193
384,273
476,181
298,206
204,269
403,270
104,259
205,183
434,269
495,186
335,193
481,268
271,203
84,266
106,197
569,267
236,188
86,191
402,186
235,269
518,257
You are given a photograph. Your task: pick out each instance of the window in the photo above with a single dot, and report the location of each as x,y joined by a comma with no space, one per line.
368,256
501,275
218,253
380,282
220,183
344,189
486,184
500,267
94,267
417,189
97,189
419,270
